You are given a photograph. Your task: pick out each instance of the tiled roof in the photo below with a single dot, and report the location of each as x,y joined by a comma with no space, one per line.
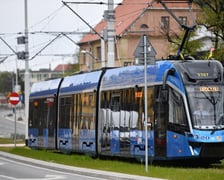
63,67
125,15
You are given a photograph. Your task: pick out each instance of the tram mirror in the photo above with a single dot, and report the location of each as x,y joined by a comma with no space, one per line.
164,95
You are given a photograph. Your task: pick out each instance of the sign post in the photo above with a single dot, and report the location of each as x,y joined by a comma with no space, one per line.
146,102
145,55
14,100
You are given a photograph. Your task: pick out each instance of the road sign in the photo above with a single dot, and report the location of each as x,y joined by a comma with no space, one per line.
14,98
150,51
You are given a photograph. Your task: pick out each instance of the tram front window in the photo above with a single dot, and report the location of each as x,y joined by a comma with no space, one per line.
206,106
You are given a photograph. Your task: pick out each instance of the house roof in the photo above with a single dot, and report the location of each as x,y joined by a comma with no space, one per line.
125,15
63,67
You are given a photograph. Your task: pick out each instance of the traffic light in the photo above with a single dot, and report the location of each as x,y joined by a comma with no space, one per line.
21,40
21,55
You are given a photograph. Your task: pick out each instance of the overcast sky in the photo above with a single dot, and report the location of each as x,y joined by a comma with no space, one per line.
44,16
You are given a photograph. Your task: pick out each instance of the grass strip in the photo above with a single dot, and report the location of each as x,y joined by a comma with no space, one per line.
213,172
11,141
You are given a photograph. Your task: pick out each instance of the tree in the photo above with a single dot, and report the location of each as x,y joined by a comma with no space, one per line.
73,68
212,17
191,47
6,81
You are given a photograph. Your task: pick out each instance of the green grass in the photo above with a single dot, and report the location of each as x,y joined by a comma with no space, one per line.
168,172
11,141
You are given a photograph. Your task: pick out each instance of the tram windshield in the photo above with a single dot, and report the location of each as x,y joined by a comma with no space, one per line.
206,106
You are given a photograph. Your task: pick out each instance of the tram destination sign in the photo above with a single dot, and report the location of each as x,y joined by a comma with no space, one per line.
209,89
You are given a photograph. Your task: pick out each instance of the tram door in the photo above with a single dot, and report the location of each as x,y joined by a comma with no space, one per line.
161,119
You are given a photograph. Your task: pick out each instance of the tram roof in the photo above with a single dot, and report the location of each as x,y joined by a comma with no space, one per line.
123,77
134,75
45,88
81,82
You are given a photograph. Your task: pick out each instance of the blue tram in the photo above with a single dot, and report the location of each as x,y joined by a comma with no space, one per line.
102,112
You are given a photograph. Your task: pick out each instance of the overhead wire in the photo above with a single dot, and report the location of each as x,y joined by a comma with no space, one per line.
57,34
53,15
50,17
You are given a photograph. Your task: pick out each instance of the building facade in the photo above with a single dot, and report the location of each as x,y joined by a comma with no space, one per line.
133,19
46,74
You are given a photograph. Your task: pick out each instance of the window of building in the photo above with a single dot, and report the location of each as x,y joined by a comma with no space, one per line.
39,77
165,23
45,76
183,20
144,26
98,55
84,58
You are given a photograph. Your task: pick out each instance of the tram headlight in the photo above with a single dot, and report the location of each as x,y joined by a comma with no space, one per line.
219,138
196,136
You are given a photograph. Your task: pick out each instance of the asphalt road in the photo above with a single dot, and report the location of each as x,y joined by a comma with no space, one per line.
10,169
7,122
13,167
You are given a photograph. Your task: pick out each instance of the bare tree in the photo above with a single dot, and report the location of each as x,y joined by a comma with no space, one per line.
212,17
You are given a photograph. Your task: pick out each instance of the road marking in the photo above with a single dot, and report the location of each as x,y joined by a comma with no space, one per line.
7,177
1,163
47,169
47,177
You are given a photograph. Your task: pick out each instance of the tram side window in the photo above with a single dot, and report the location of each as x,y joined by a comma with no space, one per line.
65,112
150,104
49,109
88,113
161,112
115,103
177,113
130,109
86,110
36,113
38,118
78,109
33,113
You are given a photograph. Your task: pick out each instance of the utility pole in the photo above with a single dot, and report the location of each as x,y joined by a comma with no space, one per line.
102,41
26,75
111,33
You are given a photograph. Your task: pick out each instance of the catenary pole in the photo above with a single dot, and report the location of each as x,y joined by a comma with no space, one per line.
111,33
146,102
26,75
102,51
